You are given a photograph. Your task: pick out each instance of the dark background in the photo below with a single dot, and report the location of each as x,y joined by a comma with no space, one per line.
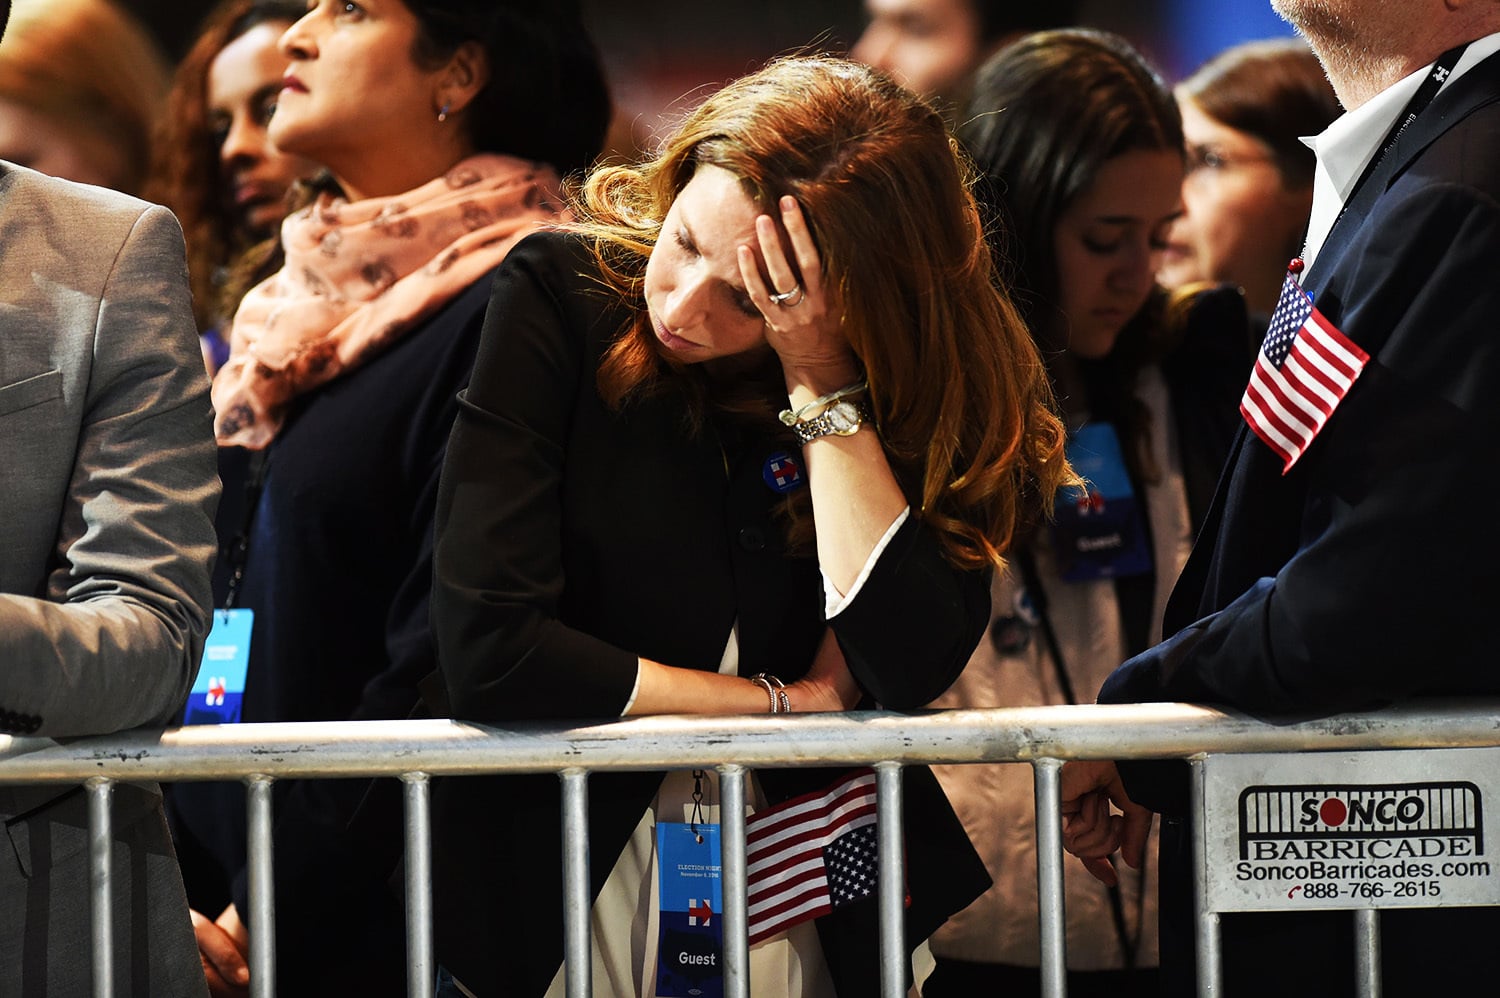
661,52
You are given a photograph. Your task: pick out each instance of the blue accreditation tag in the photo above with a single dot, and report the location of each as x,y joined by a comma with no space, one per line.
219,689
1099,532
689,957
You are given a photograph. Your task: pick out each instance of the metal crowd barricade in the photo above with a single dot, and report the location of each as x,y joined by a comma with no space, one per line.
414,751
1356,832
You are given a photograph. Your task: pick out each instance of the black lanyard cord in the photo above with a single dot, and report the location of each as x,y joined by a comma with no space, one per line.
239,547
1428,90
1032,580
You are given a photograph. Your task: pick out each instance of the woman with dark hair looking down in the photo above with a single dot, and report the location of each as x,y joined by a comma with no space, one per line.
1081,148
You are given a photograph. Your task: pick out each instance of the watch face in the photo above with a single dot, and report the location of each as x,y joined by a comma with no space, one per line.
843,418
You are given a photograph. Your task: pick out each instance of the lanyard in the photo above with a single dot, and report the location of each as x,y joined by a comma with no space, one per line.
1418,103
239,547
1032,579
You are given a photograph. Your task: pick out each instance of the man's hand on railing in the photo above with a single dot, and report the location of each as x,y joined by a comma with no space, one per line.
1090,830
224,946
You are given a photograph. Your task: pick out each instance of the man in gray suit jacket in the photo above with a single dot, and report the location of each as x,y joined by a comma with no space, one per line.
107,492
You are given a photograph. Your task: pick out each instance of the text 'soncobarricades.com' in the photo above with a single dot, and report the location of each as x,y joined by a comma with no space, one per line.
1389,829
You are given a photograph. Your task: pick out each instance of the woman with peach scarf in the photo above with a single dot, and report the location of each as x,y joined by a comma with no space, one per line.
341,387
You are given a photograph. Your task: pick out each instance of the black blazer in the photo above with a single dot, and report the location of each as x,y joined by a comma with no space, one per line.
573,539
1365,575
338,571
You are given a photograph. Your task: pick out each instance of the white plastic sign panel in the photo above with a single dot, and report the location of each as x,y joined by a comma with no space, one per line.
1385,829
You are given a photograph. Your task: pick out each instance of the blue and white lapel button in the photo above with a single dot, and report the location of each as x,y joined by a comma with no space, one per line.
782,472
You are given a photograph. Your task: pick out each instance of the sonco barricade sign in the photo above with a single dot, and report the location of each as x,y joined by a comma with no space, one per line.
1398,829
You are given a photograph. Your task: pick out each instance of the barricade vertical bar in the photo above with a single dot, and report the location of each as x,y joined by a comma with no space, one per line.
101,862
421,975
1210,972
578,956
1049,876
892,880
262,887
1367,952
736,907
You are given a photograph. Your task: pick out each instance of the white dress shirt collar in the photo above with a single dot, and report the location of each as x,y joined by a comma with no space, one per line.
1347,145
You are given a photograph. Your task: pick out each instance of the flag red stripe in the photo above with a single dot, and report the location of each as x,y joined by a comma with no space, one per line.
1342,375
1285,407
773,885
1278,392
1319,387
791,899
1269,439
857,778
1263,392
784,852
1319,322
1319,346
767,823
829,825
767,863
769,929
1312,384
811,837
773,875
790,906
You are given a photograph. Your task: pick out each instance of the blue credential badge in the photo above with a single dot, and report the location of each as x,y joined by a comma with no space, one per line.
219,690
689,956
1099,531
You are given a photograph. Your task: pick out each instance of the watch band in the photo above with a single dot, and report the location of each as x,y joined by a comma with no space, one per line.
792,417
841,419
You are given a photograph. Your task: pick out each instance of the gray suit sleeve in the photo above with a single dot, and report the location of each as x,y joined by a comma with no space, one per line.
115,641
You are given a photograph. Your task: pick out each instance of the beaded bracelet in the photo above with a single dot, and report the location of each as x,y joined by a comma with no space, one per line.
792,418
776,690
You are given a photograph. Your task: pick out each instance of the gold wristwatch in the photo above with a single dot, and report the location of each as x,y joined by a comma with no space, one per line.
842,419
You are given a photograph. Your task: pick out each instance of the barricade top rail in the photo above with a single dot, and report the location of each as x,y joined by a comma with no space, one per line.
445,747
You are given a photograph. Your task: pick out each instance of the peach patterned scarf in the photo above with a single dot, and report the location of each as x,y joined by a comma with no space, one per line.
359,275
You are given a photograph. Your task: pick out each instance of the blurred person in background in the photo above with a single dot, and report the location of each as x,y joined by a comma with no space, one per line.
934,47
444,127
1081,145
81,84
214,163
1248,191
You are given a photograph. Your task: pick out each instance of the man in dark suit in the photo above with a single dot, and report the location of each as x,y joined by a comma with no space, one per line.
1360,573
107,489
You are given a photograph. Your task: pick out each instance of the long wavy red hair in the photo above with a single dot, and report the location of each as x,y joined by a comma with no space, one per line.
960,395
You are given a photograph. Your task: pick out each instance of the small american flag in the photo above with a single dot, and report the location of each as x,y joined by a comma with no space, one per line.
811,854
1305,368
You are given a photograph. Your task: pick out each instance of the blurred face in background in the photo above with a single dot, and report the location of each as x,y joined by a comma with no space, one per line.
244,82
81,86
931,47
1108,244
51,142
1242,224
